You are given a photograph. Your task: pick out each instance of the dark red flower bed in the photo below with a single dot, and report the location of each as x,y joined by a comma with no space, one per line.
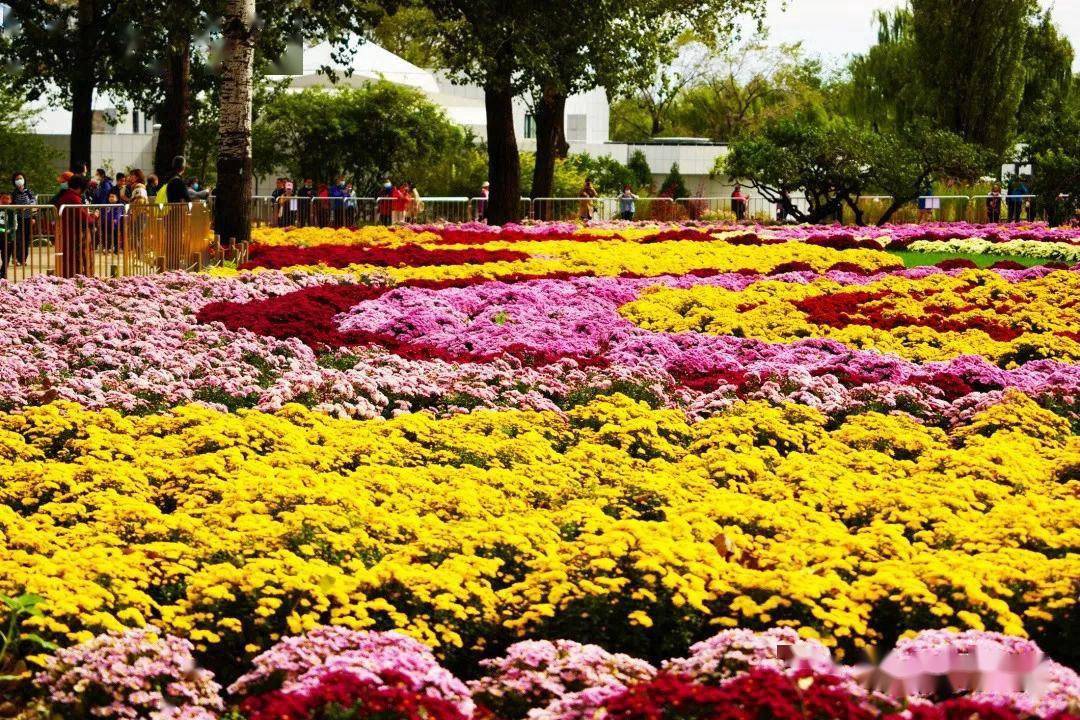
306,314
341,256
345,696
842,309
756,695
844,241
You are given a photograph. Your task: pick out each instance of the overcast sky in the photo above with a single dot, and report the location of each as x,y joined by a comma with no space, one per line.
832,29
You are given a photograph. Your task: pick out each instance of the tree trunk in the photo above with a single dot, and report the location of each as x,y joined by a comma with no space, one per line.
657,124
82,88
855,210
231,206
504,165
550,143
175,108
82,121
887,215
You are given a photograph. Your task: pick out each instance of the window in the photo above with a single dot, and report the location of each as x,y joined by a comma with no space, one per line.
530,126
134,121
577,128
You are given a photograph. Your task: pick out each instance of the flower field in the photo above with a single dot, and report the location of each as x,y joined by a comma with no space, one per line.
551,472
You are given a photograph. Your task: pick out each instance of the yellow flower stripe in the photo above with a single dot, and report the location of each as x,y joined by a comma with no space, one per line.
767,310
233,529
616,257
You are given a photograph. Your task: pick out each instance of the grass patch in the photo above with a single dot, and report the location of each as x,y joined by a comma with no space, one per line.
917,259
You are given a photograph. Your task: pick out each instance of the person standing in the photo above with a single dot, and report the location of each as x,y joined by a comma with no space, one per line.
416,204
122,188
993,204
585,205
482,202
337,201
104,187
385,203
1027,202
21,194
1014,201
739,201
401,203
306,197
76,248
627,204
177,189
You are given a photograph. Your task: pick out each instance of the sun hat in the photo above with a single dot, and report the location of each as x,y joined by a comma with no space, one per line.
64,176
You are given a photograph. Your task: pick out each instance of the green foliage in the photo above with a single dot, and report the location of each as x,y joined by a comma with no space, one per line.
20,150
674,185
1048,79
903,163
364,132
833,162
14,611
970,59
640,170
408,32
745,87
608,174
880,91
1054,146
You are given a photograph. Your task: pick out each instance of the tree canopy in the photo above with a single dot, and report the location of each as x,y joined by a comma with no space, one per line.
816,168
365,132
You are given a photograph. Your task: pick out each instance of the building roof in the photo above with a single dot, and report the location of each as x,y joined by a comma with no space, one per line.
367,62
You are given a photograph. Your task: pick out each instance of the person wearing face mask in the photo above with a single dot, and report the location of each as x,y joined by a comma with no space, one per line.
63,179
21,194
104,187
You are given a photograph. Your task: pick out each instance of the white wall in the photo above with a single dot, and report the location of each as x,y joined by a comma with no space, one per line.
113,152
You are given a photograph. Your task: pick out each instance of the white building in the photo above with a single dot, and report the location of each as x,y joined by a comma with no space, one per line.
124,137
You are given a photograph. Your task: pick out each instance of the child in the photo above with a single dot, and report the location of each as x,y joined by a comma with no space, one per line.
112,221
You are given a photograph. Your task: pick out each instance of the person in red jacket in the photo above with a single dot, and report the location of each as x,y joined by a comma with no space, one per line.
401,202
75,251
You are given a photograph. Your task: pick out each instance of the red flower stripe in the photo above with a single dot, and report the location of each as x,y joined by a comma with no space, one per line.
340,256
339,692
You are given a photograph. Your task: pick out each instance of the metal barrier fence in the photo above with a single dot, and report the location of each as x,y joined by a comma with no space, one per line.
103,240
606,208
872,208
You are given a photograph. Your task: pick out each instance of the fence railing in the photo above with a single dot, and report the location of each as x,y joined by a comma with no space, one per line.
872,208
103,240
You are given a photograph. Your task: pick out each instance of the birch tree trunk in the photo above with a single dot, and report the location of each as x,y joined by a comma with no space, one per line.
232,212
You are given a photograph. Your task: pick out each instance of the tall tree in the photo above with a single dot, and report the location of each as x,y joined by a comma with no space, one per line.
172,63
67,48
747,85
970,57
880,91
490,42
1048,78
232,211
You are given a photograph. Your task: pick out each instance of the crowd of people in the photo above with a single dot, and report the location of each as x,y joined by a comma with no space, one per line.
308,202
85,229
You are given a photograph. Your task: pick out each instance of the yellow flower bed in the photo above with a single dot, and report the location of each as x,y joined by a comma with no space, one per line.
234,529
368,236
619,257
768,310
